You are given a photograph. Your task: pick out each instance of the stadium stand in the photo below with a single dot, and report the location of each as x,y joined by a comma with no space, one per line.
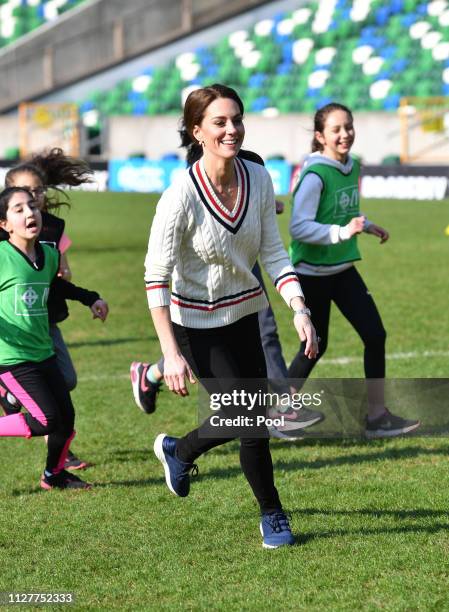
369,53
18,17
100,36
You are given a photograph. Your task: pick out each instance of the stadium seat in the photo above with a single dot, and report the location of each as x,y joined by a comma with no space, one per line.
18,17
365,54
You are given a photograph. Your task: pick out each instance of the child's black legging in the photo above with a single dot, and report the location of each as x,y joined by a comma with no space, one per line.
353,299
230,352
41,389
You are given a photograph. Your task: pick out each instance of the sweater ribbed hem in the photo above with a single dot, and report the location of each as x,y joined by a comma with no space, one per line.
200,319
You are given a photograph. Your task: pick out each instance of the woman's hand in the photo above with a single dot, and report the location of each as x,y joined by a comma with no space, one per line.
378,231
100,309
307,333
176,370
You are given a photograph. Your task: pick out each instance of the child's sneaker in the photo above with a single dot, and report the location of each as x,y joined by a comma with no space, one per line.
295,419
289,436
144,391
275,530
389,425
177,473
63,480
72,462
7,406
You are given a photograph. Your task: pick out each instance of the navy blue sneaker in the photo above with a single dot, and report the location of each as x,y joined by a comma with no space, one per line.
177,473
275,530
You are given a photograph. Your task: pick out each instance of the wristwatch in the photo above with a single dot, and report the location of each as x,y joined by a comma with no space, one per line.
302,311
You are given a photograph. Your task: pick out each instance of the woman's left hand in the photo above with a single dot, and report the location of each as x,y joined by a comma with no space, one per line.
307,333
378,231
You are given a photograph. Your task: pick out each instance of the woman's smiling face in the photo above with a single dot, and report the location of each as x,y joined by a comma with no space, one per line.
221,130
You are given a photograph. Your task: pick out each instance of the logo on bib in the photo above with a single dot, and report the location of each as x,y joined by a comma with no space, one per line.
346,202
31,299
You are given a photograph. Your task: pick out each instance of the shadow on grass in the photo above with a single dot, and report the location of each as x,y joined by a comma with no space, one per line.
95,487
416,513
138,455
390,454
127,455
375,513
232,445
338,443
111,248
107,342
397,454
305,538
145,482
386,454
225,473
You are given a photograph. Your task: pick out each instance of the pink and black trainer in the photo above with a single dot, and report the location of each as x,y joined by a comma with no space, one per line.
63,480
144,391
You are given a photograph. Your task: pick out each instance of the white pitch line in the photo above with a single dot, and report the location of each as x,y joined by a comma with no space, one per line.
389,356
334,361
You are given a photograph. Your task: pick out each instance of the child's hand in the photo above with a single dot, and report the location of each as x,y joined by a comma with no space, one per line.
64,269
65,273
355,226
378,231
100,309
279,207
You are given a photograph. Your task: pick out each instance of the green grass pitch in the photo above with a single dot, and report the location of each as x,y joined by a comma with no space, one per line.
371,518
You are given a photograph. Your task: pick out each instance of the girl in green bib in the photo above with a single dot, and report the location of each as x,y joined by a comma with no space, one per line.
324,226
28,368
52,169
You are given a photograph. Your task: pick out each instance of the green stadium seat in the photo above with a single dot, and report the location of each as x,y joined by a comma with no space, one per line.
272,62
17,19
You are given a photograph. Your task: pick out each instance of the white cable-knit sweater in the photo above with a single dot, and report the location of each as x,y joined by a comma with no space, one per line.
208,252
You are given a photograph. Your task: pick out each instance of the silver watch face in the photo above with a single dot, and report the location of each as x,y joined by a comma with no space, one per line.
303,311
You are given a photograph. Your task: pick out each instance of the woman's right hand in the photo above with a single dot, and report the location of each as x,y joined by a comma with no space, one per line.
176,370
356,225
307,334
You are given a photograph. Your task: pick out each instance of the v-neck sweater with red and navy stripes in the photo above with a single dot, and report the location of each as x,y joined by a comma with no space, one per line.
207,252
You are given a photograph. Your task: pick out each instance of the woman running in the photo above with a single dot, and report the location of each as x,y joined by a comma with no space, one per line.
209,229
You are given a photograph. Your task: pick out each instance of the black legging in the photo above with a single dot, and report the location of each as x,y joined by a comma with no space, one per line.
354,301
41,390
230,352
